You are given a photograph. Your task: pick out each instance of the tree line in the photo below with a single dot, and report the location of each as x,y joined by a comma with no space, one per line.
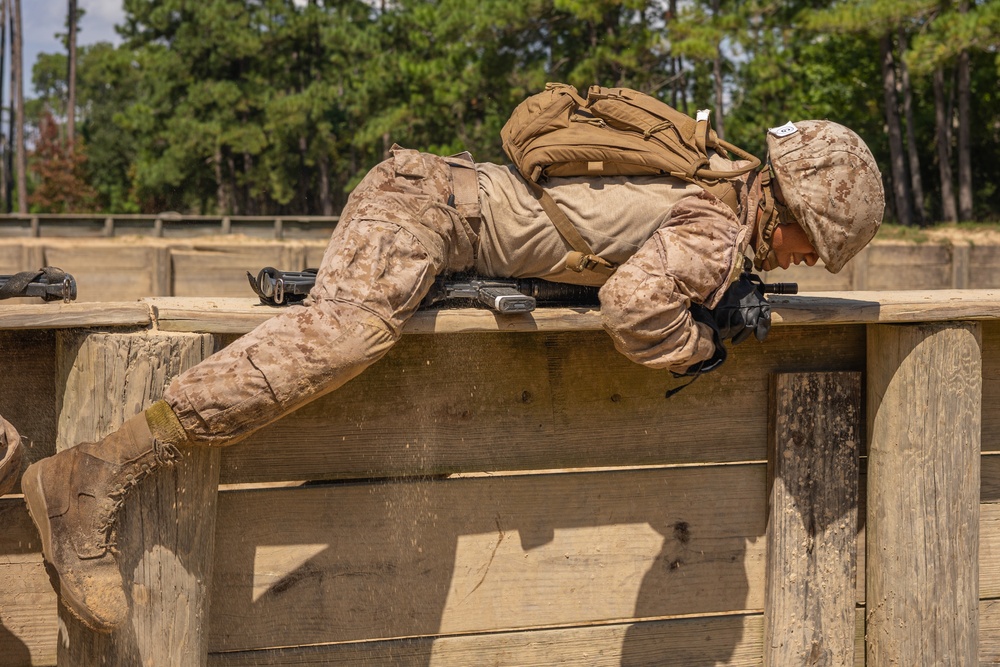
248,107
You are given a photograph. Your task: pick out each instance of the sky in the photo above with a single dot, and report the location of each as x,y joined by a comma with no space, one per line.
42,19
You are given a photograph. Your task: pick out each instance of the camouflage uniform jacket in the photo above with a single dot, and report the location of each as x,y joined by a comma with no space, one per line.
674,243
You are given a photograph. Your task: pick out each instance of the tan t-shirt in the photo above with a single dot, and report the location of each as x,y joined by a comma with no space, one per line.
674,244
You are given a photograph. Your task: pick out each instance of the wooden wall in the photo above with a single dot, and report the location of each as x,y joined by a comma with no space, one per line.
129,268
487,498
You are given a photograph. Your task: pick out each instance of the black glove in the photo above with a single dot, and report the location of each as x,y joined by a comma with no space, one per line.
705,316
743,311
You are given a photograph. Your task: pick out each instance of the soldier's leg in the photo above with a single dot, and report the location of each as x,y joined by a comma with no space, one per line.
396,235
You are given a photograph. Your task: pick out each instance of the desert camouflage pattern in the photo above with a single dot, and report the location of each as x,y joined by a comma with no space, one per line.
831,184
675,242
10,456
396,234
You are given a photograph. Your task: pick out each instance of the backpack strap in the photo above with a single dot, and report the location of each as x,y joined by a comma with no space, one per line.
583,258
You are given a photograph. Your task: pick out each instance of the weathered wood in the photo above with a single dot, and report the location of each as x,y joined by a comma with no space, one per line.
809,611
350,562
726,640
27,601
989,632
924,407
106,271
28,390
239,315
58,315
167,528
892,265
220,270
532,401
960,265
991,386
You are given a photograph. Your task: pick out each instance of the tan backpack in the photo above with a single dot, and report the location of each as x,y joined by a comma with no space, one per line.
614,132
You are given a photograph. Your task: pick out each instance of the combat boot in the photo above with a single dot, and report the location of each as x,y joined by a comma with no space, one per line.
10,457
75,497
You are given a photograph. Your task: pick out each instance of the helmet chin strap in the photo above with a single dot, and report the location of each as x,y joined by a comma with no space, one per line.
768,220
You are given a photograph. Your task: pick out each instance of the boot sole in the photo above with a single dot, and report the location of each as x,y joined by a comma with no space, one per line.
31,486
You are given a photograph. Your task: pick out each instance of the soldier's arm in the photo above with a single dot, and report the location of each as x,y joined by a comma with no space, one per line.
689,259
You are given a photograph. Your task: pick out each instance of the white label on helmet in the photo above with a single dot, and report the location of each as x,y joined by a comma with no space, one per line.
785,130
703,114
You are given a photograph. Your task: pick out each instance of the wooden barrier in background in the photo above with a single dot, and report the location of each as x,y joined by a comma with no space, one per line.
129,268
510,490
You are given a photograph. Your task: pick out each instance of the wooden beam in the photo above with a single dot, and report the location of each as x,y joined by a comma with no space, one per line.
239,315
924,412
812,524
58,315
166,533
532,401
360,561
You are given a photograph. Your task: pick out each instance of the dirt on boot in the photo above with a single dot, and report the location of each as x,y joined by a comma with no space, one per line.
74,499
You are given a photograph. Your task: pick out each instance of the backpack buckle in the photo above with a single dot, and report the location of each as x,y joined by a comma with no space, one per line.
579,262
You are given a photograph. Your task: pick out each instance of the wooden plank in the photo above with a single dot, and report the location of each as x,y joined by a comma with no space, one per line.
362,561
165,534
58,315
812,519
984,266
240,315
991,386
989,550
107,271
990,473
12,258
28,390
989,632
924,407
917,267
873,307
219,270
728,640
734,641
532,402
27,602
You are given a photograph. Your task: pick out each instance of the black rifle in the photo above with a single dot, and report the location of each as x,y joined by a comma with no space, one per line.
49,283
279,288
771,288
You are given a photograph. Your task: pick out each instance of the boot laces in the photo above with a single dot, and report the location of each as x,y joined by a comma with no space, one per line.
164,455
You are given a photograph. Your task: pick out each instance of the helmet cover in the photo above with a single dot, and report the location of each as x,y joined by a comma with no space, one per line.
831,184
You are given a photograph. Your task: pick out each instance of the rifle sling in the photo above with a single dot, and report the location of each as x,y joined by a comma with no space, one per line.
583,258
17,283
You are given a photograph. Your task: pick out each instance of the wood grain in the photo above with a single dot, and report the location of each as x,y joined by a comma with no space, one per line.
346,562
165,534
812,529
924,407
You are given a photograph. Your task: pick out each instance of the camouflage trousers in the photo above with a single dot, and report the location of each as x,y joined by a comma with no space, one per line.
396,234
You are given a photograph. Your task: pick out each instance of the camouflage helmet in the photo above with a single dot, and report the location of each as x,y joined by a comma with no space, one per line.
831,184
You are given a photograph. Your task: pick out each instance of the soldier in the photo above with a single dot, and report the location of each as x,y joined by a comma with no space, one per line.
10,456
678,250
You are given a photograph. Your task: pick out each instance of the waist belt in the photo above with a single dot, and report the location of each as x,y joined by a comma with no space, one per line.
466,188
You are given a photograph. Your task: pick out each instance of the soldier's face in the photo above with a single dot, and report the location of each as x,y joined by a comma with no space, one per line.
790,245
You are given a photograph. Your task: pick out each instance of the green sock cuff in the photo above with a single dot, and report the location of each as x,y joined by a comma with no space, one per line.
164,424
